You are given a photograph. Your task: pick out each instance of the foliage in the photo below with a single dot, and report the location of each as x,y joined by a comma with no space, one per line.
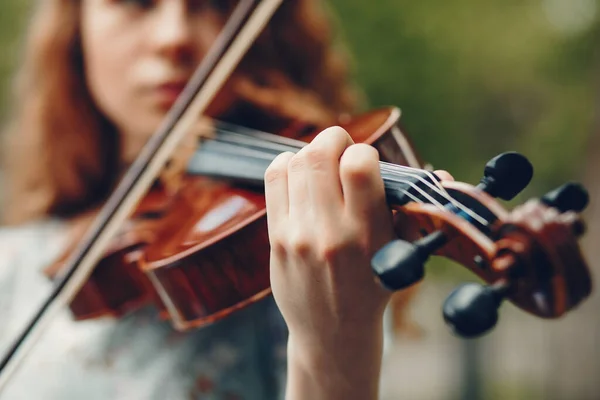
476,78
12,20
473,78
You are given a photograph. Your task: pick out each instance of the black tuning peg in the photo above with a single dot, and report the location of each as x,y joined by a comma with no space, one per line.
472,309
400,264
571,196
506,175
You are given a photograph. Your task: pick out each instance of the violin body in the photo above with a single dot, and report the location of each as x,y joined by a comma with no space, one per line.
202,253
212,255
117,285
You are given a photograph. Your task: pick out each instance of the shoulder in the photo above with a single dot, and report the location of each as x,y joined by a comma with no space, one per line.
30,246
25,251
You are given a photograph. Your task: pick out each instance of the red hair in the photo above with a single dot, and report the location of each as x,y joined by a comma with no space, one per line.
62,157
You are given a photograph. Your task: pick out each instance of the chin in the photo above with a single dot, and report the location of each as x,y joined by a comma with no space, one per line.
142,128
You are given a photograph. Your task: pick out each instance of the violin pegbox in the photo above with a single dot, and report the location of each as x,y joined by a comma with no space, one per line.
539,268
399,264
529,256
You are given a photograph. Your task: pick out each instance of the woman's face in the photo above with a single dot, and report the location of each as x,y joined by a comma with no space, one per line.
139,54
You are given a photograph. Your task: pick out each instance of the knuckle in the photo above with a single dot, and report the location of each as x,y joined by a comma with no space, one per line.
359,162
315,156
300,244
332,246
331,251
278,167
297,163
273,174
278,249
319,153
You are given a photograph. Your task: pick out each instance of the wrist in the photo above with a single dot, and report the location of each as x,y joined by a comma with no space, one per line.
345,368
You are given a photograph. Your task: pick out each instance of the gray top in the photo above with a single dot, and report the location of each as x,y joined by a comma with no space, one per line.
136,357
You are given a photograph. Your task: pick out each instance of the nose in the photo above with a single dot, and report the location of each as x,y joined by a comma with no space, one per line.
172,36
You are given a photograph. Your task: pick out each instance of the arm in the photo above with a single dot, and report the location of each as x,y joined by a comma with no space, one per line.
327,215
349,370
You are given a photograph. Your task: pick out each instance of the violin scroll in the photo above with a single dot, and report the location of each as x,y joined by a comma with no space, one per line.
529,256
400,263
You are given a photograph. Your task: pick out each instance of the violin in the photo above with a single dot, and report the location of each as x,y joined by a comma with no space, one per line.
201,253
206,254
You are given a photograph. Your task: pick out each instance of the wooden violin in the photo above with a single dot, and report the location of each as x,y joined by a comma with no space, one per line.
206,253
203,252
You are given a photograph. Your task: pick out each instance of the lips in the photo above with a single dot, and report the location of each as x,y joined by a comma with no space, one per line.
168,93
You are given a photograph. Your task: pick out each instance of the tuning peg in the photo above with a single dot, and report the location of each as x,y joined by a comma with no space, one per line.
571,196
472,309
506,175
399,264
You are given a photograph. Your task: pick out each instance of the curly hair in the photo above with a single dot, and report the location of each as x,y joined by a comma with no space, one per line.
62,150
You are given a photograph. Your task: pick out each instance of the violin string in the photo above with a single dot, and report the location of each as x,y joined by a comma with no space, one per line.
221,126
450,199
413,198
294,145
234,150
226,133
239,138
226,130
287,144
420,190
441,192
226,137
275,144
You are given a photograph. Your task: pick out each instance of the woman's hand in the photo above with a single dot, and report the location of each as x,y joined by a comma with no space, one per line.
327,215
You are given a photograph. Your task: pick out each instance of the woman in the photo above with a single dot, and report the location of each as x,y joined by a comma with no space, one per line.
97,79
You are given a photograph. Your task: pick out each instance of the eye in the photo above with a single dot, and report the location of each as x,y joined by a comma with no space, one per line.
223,5
220,6
140,4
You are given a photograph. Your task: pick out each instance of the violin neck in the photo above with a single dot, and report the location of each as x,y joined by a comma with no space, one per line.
242,156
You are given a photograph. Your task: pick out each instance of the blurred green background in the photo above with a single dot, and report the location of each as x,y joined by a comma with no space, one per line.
473,78
478,77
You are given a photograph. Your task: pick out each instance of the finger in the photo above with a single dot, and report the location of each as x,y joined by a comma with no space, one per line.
361,181
298,198
276,189
443,175
322,158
